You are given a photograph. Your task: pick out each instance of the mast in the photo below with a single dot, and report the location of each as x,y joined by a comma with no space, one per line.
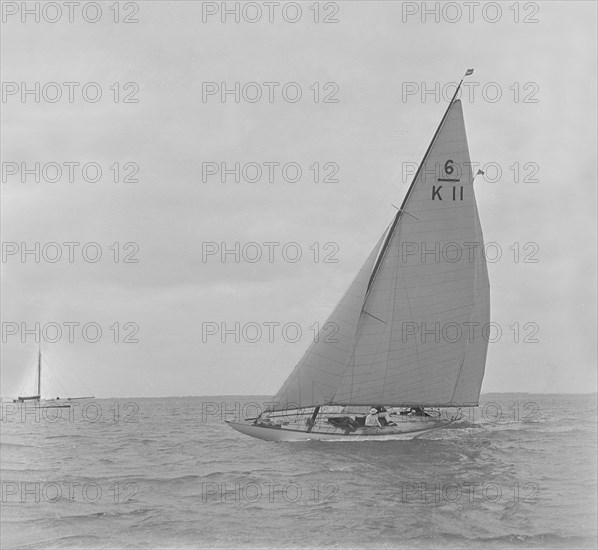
39,371
419,169
312,421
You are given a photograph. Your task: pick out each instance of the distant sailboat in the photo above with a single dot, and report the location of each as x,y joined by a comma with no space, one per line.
409,338
37,398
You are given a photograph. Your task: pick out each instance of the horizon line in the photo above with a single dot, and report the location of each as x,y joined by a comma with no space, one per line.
7,398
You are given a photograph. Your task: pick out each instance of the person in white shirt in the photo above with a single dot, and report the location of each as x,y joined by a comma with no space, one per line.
371,420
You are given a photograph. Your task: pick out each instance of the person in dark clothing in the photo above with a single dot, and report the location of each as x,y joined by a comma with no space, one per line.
384,417
418,411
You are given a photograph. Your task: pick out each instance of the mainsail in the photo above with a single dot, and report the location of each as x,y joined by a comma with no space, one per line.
412,328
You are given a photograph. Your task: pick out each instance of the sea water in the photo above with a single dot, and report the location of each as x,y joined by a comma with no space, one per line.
518,472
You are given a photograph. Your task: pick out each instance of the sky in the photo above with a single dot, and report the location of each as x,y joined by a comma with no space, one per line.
185,320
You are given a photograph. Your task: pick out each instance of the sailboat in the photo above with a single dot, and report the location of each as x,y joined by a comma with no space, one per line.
37,398
410,347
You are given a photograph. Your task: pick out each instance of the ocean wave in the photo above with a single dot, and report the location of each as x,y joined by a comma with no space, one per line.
197,486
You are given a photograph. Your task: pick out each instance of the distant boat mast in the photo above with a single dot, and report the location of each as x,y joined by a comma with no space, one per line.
39,371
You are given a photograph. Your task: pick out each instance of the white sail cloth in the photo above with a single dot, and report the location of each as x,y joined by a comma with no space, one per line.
419,334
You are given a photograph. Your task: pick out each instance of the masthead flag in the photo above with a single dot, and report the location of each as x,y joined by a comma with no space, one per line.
469,71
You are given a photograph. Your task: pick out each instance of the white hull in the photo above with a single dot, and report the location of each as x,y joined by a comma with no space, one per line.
392,433
50,403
